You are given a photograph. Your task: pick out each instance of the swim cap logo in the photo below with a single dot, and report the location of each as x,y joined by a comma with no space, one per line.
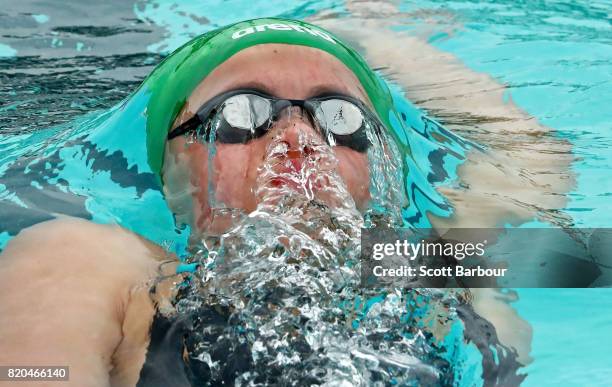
282,27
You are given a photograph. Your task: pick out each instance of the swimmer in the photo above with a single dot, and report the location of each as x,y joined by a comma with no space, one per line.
77,293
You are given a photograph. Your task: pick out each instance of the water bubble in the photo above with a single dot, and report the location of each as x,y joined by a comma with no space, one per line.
283,284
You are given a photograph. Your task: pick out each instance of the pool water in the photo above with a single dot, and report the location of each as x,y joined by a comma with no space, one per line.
556,60
63,70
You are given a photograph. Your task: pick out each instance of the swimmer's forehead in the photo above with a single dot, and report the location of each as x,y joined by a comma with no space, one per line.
282,70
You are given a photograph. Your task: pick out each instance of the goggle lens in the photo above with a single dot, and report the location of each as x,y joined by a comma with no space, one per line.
339,117
246,111
240,116
247,116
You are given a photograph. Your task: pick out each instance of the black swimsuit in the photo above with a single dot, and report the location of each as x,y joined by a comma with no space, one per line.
167,362
164,364
172,356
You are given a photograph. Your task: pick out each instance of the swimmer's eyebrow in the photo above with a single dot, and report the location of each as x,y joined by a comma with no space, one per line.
253,85
324,91
317,91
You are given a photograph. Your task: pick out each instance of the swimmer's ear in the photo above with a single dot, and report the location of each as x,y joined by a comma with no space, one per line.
177,186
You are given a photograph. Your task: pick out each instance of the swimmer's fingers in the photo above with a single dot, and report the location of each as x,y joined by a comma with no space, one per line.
166,286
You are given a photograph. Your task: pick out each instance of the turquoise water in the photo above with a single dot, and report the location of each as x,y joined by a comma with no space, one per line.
555,58
571,341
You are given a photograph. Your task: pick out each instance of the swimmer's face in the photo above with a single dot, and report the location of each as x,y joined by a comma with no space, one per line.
284,71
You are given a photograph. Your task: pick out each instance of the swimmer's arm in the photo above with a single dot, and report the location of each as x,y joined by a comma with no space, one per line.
512,330
474,105
66,287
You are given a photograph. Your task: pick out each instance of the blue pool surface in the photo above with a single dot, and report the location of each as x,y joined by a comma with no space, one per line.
555,58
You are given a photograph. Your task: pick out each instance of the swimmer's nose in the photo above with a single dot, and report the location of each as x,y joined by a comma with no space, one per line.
296,129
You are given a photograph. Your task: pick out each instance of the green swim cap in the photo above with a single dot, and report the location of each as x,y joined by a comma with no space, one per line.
173,81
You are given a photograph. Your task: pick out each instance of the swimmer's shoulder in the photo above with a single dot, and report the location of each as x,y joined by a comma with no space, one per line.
68,233
83,256
89,285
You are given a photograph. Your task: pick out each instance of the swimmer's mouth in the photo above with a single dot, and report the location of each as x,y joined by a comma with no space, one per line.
278,182
297,169
309,183
293,172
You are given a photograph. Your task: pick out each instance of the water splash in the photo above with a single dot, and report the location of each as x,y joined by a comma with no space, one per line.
277,298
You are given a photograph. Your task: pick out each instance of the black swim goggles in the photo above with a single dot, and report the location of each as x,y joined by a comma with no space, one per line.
243,115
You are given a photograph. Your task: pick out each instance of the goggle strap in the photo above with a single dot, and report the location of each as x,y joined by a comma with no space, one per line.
188,126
